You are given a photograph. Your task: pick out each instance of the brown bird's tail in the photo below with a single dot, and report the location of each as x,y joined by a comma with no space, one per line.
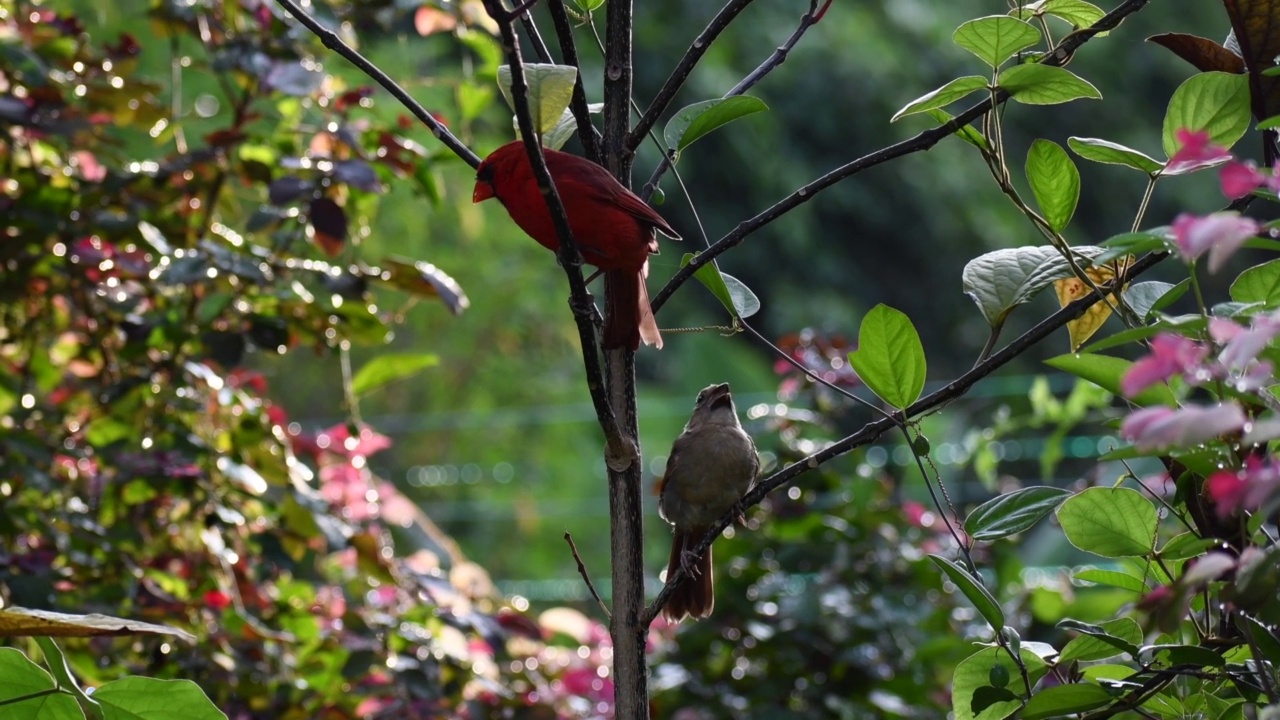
628,318
694,597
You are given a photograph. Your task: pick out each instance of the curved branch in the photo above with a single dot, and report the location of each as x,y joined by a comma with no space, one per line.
682,70
873,430
923,141
587,133
568,255
333,42
779,56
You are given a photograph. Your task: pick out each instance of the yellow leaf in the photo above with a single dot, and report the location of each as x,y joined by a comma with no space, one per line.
1072,289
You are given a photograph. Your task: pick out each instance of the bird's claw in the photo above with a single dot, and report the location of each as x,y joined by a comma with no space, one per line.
689,563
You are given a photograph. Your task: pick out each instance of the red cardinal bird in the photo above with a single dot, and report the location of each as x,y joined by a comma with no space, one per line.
614,229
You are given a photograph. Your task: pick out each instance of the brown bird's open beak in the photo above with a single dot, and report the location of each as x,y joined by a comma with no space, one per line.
483,192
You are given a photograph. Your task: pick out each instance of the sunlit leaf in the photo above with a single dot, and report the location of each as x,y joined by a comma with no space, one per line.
423,278
386,368
550,90
1215,102
1036,84
695,121
943,96
995,38
890,358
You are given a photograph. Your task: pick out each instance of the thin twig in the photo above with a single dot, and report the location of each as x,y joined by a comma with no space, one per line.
582,570
535,37
922,141
675,81
873,430
587,132
778,56
570,259
333,42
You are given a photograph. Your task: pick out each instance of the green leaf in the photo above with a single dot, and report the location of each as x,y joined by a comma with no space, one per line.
1105,151
589,5
981,598
61,671
1001,280
1054,181
967,133
143,698
698,119
1258,284
972,695
943,96
732,293
1077,12
1124,337
1062,700
19,677
1177,654
1012,513
890,358
106,430
1111,578
1215,102
1143,297
1105,372
1186,545
996,38
389,367
550,90
568,125
1111,522
1120,636
1133,243
1036,84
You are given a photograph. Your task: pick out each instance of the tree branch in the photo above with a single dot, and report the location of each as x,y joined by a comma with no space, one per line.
873,430
568,255
922,141
778,57
334,43
676,80
587,132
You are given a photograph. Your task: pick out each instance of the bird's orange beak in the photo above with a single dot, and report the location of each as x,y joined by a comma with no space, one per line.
483,192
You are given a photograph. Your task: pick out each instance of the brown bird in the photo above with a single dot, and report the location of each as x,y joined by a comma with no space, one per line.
712,465
613,229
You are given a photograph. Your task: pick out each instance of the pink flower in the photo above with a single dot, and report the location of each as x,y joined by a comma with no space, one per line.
1241,346
1246,489
1239,179
217,600
1170,355
1159,427
1195,153
1221,234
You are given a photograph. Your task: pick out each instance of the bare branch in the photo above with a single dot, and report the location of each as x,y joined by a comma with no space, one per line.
333,42
582,570
682,70
873,430
535,38
778,57
587,132
922,141
568,255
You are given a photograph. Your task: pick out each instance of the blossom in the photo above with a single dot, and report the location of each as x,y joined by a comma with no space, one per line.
1195,151
1241,345
1221,234
1170,355
1245,489
1239,179
1158,427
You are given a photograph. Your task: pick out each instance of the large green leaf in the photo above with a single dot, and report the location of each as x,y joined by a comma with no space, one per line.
1054,181
1013,512
1120,636
1036,84
973,589
1001,280
974,697
943,96
1060,700
144,698
696,120
389,367
1258,284
1105,151
1105,372
550,90
1111,522
996,38
1215,102
890,358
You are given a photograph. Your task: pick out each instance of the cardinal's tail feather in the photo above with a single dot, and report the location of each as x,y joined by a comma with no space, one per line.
628,317
695,597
